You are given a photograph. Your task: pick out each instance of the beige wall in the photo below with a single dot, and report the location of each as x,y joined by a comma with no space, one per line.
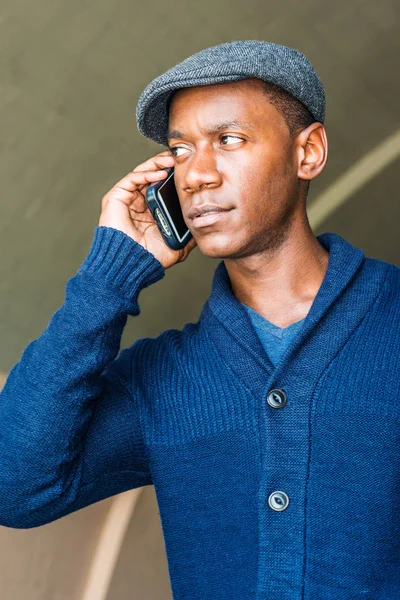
50,562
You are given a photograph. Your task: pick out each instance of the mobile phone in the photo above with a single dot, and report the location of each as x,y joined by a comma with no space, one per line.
163,202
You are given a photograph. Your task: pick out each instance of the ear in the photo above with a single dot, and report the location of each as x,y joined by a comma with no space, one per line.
312,151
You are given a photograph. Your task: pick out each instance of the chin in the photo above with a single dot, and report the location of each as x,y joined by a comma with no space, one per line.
217,248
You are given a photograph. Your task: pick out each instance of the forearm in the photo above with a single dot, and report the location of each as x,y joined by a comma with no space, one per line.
50,395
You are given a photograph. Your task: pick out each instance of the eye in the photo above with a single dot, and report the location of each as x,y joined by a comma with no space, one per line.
175,150
236,139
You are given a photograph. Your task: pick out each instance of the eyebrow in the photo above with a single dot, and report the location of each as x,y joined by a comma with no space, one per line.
174,133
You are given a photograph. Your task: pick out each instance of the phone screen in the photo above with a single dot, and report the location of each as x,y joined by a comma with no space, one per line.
168,194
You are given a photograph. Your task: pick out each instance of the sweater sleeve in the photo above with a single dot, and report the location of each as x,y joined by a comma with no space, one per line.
70,430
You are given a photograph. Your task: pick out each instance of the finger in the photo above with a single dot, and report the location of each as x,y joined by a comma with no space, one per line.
187,249
192,244
118,194
132,180
155,164
165,160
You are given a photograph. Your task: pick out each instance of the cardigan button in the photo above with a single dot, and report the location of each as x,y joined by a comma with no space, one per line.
278,501
277,398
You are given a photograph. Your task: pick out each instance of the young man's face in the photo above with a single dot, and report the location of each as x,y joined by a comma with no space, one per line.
233,150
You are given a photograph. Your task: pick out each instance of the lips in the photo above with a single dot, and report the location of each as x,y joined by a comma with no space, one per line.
207,219
200,211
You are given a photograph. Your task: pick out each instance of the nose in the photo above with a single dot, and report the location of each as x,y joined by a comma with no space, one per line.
201,172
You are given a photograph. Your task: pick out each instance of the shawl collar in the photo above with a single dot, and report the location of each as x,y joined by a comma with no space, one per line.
337,308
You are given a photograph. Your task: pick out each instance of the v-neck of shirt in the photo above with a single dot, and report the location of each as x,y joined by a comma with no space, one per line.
261,323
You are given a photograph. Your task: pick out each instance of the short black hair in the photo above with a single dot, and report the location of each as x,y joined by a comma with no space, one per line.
296,115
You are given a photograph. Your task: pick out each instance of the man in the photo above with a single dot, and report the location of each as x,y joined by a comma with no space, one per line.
270,427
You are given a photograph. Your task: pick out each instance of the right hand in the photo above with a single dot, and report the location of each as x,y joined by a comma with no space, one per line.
124,207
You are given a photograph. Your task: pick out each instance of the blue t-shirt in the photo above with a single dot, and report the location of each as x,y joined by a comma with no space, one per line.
274,339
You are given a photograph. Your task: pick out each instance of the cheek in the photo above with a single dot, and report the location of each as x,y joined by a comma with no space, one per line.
270,171
256,168
247,180
262,203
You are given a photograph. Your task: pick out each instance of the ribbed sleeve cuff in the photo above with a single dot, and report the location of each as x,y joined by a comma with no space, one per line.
116,258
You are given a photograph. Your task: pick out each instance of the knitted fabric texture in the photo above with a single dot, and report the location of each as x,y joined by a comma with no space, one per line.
231,61
187,412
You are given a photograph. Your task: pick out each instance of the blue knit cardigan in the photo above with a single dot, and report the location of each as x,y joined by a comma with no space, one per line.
187,412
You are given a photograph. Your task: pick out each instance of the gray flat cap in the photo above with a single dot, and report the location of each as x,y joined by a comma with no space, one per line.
230,61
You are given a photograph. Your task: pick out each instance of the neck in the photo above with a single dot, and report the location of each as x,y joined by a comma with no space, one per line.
281,282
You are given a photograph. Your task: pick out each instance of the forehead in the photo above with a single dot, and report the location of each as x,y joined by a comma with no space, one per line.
234,96
206,107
